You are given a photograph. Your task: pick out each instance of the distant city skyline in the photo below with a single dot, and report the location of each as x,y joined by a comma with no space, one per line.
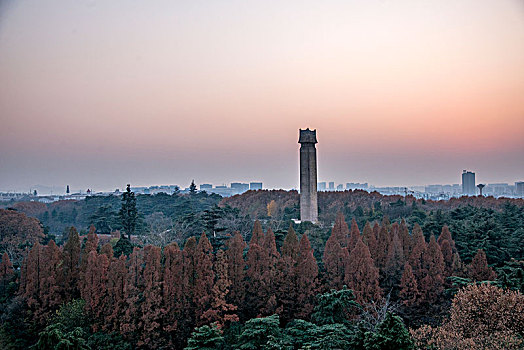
402,93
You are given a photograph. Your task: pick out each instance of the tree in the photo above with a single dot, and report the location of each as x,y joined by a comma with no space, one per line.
221,311
269,273
271,208
390,334
479,269
334,307
257,331
152,298
482,316
173,289
447,246
408,287
254,273
368,237
354,235
204,278
128,212
307,283
134,287
116,288
417,253
340,230
71,265
18,231
394,262
335,259
361,275
123,247
205,338
236,266
287,280
95,287
432,284
6,270
192,187
68,329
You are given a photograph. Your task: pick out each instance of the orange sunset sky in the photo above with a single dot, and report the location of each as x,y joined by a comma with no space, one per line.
97,94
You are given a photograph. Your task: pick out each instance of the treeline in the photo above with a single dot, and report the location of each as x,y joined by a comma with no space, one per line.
493,225
155,297
102,211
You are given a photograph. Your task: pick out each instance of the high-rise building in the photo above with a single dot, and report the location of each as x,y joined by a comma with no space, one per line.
468,183
204,187
331,186
308,175
255,186
519,188
321,186
340,187
239,187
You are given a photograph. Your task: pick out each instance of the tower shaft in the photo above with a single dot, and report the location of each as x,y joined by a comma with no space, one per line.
308,176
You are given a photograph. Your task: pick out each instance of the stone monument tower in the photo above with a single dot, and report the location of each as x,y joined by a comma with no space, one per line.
308,175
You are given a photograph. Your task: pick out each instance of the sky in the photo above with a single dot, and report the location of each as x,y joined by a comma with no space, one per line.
97,94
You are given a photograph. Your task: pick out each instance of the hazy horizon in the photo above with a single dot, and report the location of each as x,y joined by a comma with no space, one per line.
100,94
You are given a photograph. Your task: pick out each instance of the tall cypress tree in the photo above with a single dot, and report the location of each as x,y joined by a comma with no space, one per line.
128,212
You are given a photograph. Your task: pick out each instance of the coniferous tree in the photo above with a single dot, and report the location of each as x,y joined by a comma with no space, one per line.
390,334
134,288
50,278
408,287
382,248
394,262
479,269
188,285
269,273
287,289
204,278
6,270
236,269
341,230
335,259
128,212
116,288
307,279
432,284
192,187
255,264
361,275
354,235
405,238
96,287
205,338
107,249
417,253
447,246
221,311
71,265
152,299
173,291
368,237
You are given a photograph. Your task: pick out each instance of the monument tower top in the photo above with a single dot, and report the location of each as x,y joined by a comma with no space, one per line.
307,136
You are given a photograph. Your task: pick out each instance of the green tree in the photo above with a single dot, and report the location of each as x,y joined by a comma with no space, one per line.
122,246
257,332
390,334
205,338
192,187
334,306
68,328
128,212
